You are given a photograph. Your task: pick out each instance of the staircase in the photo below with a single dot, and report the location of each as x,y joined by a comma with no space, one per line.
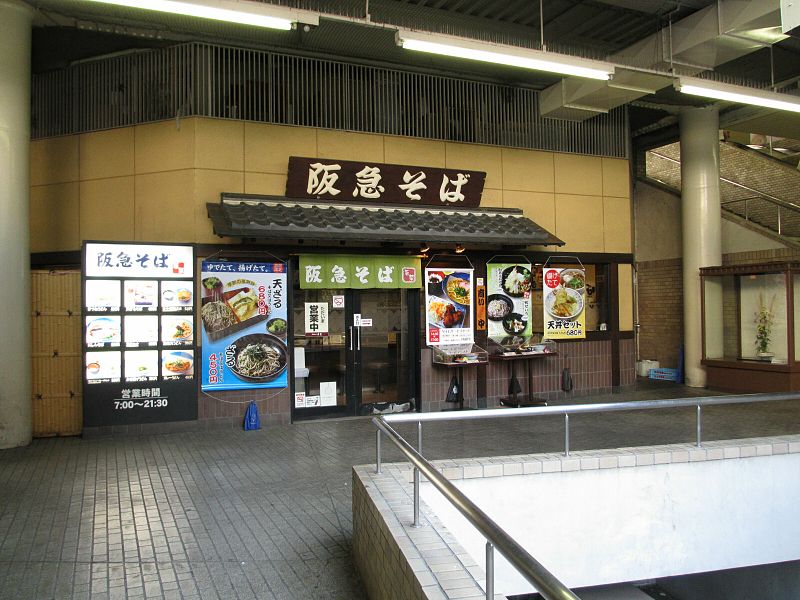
756,191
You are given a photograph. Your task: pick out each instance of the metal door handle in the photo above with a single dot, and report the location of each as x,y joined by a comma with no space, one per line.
351,337
358,339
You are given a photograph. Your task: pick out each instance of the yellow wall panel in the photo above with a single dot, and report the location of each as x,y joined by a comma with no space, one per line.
219,144
579,222
106,153
164,207
268,184
616,178
346,145
617,224
54,218
576,174
472,157
106,209
414,152
492,198
527,170
208,185
267,148
54,160
537,206
625,298
165,146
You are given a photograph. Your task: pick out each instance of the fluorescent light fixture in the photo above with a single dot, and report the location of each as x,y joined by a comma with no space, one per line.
535,60
231,11
737,93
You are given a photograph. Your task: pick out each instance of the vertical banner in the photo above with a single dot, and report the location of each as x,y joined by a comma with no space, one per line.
508,304
564,301
448,300
244,318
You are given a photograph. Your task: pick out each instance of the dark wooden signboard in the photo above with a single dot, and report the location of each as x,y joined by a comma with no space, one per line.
359,182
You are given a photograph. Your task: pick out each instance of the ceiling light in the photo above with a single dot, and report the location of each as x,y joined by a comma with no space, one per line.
459,248
525,58
737,93
425,247
231,11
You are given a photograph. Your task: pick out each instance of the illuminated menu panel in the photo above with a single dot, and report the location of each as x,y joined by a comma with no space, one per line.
139,338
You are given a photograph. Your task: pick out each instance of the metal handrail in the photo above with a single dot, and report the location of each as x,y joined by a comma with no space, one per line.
764,196
533,571
536,574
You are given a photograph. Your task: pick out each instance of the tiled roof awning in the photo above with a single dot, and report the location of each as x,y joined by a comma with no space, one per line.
280,218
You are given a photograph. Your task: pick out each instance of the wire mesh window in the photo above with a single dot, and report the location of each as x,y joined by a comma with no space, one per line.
224,82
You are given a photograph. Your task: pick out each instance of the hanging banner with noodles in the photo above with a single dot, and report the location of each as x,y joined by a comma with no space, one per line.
564,301
508,304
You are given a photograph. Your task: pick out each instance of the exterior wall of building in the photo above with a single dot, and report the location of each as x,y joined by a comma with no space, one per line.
151,183
659,268
132,183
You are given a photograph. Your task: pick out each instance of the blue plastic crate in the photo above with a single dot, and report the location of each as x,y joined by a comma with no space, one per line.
664,374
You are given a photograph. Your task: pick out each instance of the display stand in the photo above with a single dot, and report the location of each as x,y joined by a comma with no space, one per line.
458,356
512,351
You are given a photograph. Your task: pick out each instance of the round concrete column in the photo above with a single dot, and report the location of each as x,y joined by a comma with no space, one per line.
15,320
701,220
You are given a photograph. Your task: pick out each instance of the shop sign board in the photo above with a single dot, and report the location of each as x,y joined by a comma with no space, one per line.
449,297
244,325
138,334
509,289
337,271
316,319
564,303
359,182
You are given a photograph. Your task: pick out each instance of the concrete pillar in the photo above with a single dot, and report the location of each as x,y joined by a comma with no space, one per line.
701,224
15,320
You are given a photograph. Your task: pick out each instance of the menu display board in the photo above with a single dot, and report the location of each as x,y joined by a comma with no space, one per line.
509,289
564,300
448,301
138,333
244,325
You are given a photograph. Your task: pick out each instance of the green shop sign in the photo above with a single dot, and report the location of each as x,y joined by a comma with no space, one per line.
331,271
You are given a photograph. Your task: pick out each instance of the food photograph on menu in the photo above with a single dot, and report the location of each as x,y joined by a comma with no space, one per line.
509,287
103,295
243,320
448,302
141,330
176,296
140,295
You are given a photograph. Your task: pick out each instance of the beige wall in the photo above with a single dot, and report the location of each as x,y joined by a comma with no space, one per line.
134,183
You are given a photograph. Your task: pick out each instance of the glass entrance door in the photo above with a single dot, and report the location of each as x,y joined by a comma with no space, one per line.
364,363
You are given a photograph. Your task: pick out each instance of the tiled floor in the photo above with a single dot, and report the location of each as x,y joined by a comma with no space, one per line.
264,514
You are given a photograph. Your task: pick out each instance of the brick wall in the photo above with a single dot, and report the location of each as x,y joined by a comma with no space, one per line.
660,299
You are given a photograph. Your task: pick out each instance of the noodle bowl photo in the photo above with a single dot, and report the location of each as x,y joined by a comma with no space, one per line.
258,357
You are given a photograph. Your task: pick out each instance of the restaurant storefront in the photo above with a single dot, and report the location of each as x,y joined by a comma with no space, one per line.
361,278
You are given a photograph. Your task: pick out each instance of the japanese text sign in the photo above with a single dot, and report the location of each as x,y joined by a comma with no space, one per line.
316,319
359,182
138,260
331,271
564,299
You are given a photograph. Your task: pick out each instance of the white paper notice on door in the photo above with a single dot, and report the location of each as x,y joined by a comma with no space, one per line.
327,393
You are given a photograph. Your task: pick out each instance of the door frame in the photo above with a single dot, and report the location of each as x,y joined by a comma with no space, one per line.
353,365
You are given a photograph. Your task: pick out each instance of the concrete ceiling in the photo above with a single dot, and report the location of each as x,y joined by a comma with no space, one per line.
70,30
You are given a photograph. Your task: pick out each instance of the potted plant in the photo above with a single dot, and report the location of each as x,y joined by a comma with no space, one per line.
764,319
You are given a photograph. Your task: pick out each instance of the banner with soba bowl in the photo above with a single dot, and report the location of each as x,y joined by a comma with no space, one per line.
244,325
509,288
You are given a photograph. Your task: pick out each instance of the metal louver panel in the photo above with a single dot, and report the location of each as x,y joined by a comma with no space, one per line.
224,82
